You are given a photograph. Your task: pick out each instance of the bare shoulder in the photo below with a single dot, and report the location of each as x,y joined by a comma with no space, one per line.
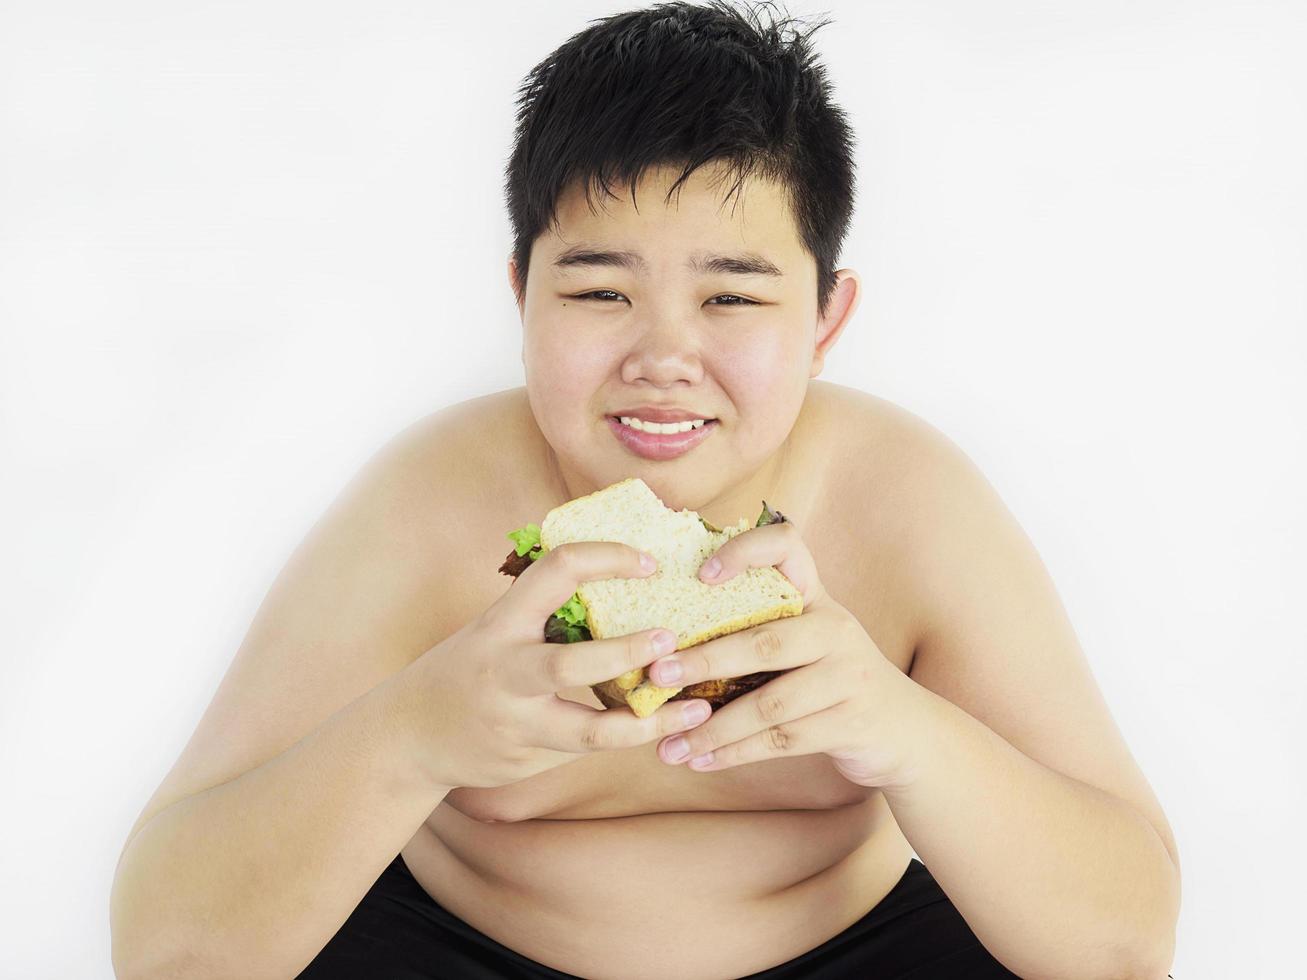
885,440
484,462
900,462
484,443
864,528
933,518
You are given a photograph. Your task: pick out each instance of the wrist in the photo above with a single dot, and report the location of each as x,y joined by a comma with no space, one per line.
920,726
401,705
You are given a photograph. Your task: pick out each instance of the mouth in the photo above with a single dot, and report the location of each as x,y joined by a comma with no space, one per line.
660,445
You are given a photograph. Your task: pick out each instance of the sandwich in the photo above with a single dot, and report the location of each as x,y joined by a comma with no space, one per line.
672,597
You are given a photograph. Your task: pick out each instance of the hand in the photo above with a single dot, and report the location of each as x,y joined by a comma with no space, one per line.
483,705
842,697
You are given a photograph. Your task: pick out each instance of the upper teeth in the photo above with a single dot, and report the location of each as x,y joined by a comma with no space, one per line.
664,428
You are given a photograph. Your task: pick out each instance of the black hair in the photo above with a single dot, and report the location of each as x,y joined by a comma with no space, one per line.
682,84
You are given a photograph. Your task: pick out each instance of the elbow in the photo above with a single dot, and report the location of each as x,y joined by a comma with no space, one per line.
1146,957
151,961
1146,966
1152,950
134,963
1154,963
159,964
127,947
1160,953
167,957
1143,951
141,952
142,947
127,966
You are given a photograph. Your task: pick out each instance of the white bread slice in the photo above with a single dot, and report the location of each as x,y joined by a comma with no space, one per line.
672,597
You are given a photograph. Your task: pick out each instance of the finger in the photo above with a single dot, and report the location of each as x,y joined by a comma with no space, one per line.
552,578
551,667
778,710
779,545
778,645
804,736
585,729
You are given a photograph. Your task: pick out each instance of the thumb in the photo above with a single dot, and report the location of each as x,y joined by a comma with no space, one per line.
552,578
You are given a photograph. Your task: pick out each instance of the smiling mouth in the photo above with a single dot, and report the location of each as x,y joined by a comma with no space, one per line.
656,428
659,445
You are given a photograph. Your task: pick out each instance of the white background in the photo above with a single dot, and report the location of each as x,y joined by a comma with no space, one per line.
242,245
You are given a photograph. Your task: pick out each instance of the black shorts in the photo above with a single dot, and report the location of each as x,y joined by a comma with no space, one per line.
399,933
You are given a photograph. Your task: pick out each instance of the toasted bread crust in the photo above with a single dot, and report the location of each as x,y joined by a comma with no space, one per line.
645,697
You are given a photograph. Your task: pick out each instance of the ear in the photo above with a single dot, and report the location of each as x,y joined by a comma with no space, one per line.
513,285
844,301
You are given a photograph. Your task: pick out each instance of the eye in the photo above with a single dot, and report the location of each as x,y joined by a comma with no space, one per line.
594,294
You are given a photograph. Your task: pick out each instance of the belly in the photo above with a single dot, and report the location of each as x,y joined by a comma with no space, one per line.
711,894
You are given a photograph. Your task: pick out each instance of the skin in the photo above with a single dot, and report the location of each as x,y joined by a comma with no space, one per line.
839,694
1057,877
667,336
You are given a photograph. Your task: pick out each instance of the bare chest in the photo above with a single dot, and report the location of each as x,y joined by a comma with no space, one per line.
561,865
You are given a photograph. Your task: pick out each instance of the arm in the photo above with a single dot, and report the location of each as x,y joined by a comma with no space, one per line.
1027,805
1056,877
251,878
296,788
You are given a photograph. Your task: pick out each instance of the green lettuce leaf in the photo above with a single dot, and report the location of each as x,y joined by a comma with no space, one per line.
567,623
525,539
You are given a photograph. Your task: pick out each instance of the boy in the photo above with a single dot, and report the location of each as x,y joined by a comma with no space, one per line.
378,788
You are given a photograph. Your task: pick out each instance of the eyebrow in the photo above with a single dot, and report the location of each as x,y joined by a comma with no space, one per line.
702,263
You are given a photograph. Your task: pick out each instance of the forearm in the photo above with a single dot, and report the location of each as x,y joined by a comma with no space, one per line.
1055,877
252,877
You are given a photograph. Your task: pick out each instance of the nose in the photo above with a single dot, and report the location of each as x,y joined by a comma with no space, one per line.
667,349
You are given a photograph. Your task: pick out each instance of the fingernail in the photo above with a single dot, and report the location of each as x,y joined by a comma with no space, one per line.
696,712
648,562
664,641
711,567
669,671
677,749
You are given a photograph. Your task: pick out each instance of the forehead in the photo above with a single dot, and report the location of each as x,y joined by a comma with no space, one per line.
706,209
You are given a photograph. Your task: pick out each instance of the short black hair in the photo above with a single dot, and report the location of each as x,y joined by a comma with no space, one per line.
684,84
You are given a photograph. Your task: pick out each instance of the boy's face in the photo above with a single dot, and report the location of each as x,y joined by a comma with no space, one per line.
663,334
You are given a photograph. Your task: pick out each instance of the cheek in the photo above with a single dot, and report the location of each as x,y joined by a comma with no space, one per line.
560,330
564,372
766,371
561,359
767,386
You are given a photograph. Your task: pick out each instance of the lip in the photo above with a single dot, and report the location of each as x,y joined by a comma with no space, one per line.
657,445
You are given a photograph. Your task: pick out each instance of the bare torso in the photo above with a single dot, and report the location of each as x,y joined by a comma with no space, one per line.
617,865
